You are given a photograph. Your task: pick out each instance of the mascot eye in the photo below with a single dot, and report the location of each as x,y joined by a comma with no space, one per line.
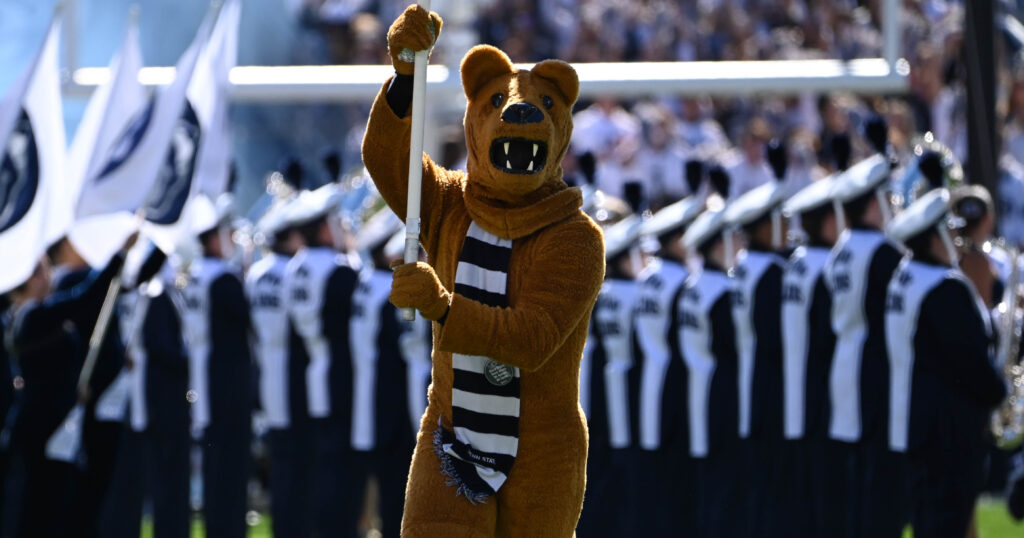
547,102
497,99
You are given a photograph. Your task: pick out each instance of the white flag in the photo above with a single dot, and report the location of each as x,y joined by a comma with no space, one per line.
208,93
192,156
31,165
110,111
148,165
63,444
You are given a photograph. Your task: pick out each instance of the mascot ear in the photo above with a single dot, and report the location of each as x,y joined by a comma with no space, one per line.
562,75
482,64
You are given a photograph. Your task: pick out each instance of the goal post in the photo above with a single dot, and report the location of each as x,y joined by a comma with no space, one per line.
360,83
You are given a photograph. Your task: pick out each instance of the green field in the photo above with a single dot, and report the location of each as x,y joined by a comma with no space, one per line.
993,522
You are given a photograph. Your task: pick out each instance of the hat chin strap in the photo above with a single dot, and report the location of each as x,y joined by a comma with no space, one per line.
947,241
837,207
337,232
883,206
727,246
636,261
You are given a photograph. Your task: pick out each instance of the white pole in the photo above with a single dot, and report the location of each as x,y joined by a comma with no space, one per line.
891,29
361,83
412,208
99,332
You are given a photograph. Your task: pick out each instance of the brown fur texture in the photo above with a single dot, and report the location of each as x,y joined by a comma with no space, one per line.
416,30
555,274
410,281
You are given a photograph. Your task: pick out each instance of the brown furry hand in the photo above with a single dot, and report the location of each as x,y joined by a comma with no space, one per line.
413,30
416,286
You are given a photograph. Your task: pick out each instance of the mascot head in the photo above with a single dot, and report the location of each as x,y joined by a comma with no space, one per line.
518,123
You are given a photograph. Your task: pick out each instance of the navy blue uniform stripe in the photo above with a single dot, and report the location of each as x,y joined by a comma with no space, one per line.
485,422
469,477
481,296
485,255
478,383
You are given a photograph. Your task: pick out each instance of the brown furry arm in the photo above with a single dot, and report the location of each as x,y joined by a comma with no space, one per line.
386,156
560,286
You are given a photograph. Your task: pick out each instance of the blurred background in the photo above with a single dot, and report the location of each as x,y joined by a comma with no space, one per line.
636,139
313,32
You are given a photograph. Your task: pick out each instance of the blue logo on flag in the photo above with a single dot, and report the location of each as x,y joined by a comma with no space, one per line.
128,141
19,173
169,194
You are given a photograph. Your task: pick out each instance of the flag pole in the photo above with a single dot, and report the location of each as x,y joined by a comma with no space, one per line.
412,208
99,331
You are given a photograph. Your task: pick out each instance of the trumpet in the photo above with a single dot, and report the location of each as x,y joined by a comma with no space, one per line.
1007,424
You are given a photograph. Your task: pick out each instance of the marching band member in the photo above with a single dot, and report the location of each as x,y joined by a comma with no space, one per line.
414,343
100,432
46,344
7,377
216,323
282,401
807,346
120,409
319,284
857,273
985,266
158,414
385,380
707,333
608,390
665,471
757,300
943,383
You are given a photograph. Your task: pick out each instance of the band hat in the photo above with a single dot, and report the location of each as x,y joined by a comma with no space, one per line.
275,218
926,212
311,205
202,215
606,210
589,193
225,206
861,178
814,196
673,217
706,227
378,230
755,203
620,236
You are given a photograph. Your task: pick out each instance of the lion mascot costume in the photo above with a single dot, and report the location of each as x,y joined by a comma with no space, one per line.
514,270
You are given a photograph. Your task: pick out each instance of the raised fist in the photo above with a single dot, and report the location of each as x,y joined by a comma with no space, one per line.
413,30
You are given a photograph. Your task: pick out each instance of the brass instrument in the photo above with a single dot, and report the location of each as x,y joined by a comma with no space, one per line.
1008,419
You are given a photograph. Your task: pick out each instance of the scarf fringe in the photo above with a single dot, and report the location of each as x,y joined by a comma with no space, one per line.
451,473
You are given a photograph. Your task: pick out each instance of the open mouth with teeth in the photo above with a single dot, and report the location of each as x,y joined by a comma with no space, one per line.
519,155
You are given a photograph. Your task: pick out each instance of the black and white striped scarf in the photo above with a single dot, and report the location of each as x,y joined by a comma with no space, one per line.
478,455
